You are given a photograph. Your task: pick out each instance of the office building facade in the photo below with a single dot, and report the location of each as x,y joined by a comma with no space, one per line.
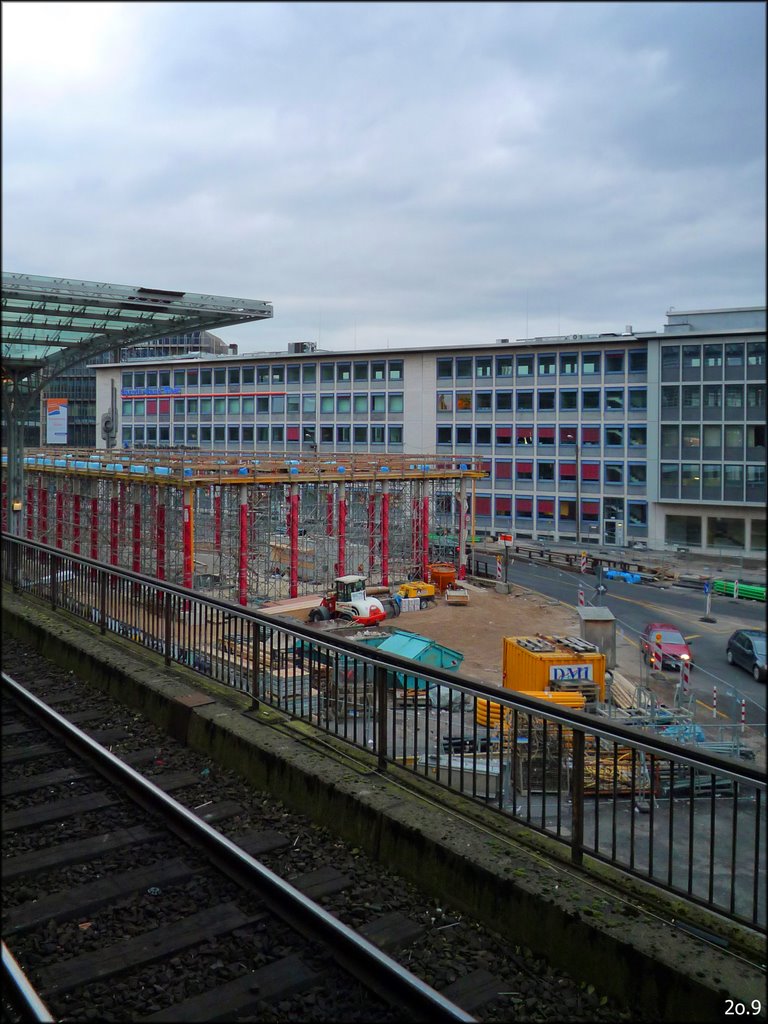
653,438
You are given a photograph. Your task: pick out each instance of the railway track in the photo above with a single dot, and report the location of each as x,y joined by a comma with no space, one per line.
262,942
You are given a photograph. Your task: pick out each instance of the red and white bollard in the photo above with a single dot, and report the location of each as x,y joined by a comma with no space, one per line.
583,566
714,702
743,715
686,677
657,656
581,598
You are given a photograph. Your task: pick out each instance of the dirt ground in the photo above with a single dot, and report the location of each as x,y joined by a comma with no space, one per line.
476,630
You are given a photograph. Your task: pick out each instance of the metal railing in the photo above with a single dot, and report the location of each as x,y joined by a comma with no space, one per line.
686,821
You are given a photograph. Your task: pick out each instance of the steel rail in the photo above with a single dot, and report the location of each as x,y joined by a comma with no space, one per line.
20,994
362,959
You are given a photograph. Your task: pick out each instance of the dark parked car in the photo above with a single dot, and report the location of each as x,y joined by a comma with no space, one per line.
674,647
746,647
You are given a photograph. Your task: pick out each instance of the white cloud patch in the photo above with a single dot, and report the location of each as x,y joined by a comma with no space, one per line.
407,172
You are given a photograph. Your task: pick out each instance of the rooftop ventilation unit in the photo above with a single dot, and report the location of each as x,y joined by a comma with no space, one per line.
302,346
502,341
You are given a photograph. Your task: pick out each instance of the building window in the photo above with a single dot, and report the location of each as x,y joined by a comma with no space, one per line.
567,472
378,371
504,366
590,400
525,401
756,353
482,435
755,396
670,397
327,373
546,436
547,365
127,379
691,440
233,434
360,403
343,434
308,404
326,435
262,374
713,355
725,533
569,364
326,404
360,371
756,436
691,357
636,473
292,405
614,437
220,406
395,403
278,435
445,435
395,435
638,361
637,513
691,396
546,401
713,396
219,376
524,508
233,406
734,355
343,372
524,366
503,469
614,399
234,376
128,408
377,435
755,476
395,368
638,399
309,373
638,437
483,401
524,435
523,471
249,373
569,400
590,363
360,435
734,437
590,437
464,435
503,436
614,362
344,404
445,369
278,404
483,366
464,401
614,472
683,530
463,368
219,435
379,403
445,401
262,434
734,396
179,378
546,471
670,362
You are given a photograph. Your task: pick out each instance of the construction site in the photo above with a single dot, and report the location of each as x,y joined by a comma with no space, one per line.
248,529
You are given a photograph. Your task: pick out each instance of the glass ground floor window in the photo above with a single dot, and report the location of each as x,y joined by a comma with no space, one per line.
758,535
683,530
725,533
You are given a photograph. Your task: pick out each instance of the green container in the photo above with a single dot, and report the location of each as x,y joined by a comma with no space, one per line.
749,591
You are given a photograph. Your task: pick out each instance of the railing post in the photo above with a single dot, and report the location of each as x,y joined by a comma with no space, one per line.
167,623
577,798
54,581
380,687
15,566
103,602
258,650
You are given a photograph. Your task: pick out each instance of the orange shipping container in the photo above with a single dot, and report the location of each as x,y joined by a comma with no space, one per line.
544,663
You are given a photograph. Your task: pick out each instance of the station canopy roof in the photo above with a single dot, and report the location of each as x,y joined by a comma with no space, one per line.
50,324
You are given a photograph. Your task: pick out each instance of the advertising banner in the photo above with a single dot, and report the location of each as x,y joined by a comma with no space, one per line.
56,420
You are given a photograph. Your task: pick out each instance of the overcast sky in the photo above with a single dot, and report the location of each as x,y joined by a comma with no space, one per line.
393,174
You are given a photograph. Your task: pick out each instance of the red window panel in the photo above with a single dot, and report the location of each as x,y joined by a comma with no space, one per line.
546,506
524,506
590,508
504,432
524,435
486,466
292,433
503,470
568,435
567,470
590,471
590,435
165,406
524,467
483,505
151,407
546,433
503,506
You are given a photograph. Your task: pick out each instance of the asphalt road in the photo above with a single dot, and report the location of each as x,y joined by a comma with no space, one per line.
634,605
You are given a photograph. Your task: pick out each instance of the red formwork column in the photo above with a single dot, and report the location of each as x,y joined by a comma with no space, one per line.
293,537
76,513
415,530
42,498
188,539
243,564
463,514
341,566
385,533
114,527
160,537
217,518
59,531
136,560
30,511
424,546
371,527
95,528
